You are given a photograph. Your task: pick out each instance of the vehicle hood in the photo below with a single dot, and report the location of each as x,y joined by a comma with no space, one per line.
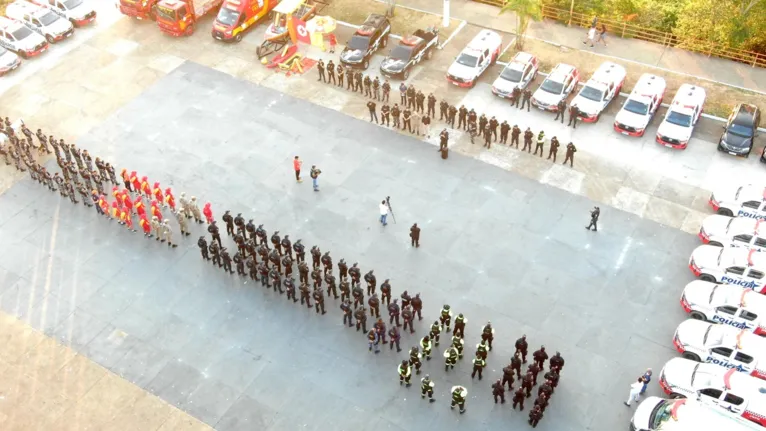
631,119
546,97
352,55
8,59
587,106
736,141
697,293
678,373
691,332
80,11
32,41
460,71
505,85
60,26
673,131
643,413
706,256
393,65
724,195
715,224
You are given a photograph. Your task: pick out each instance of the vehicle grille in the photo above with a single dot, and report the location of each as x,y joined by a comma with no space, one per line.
670,140
40,46
217,33
67,34
456,79
626,128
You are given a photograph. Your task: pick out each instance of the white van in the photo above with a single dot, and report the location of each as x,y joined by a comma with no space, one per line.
40,19
725,304
656,414
735,393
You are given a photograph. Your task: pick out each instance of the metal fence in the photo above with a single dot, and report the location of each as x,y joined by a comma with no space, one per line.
626,30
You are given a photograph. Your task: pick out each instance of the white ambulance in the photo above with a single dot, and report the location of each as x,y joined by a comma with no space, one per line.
735,393
722,345
719,230
656,414
742,201
475,58
725,304
603,87
677,127
40,19
730,265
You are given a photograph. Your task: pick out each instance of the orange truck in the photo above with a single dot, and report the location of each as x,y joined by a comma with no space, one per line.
140,9
179,17
238,16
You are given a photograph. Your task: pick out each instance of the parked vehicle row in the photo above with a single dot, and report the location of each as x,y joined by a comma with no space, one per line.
657,414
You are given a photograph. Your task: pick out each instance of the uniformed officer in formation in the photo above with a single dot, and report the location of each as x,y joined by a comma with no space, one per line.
318,295
450,358
331,72
385,115
561,109
393,312
415,359
554,149
498,391
320,69
386,90
527,95
528,135
341,72
515,133
445,317
521,348
427,388
460,322
405,373
540,143
571,149
459,395
395,112
508,377
518,398
535,415
361,319
373,112
574,112
395,338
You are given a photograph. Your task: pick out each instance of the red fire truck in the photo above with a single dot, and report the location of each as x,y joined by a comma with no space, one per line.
238,16
179,17
140,9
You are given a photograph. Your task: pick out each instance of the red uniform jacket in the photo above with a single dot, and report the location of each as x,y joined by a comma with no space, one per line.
208,212
157,192
170,200
140,207
156,211
145,225
134,180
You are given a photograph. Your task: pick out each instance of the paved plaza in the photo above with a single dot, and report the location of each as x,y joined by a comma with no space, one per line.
496,246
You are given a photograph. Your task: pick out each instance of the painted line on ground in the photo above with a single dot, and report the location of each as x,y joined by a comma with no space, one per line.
454,33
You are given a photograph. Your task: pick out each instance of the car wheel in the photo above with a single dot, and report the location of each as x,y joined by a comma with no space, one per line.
598,117
696,315
365,64
238,37
50,39
715,243
691,356
676,396
74,23
22,54
429,53
406,74
707,277
725,211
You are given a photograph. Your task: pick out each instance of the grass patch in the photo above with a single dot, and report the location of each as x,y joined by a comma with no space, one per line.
721,99
405,21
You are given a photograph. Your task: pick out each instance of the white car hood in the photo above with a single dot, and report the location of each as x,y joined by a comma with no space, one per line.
587,106
460,71
8,58
32,41
725,194
630,119
80,11
61,26
706,256
505,85
678,372
715,224
698,293
691,332
546,97
674,131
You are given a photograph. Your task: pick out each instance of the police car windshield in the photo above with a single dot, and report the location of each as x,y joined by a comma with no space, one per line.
21,33
552,86
71,4
49,18
636,107
401,53
679,119
359,42
227,16
661,413
467,60
591,93
512,75
739,130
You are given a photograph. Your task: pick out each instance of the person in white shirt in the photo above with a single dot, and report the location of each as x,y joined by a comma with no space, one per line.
591,36
383,212
635,390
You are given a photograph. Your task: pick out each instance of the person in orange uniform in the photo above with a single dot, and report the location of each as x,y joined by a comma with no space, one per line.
156,211
126,179
125,219
208,212
145,189
140,207
157,193
126,201
115,212
136,183
146,226
170,200
116,192
103,205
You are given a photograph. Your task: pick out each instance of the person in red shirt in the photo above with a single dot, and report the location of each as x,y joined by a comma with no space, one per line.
208,212
126,202
333,41
146,226
169,199
115,212
156,211
157,192
140,207
103,205
145,189
297,166
126,179
136,183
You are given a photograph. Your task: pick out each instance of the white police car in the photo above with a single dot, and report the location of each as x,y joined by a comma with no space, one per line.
736,393
561,81
8,61
729,265
722,345
725,304
656,414
518,73
78,12
599,91
40,19
742,232
475,58
677,127
743,201
640,106
16,37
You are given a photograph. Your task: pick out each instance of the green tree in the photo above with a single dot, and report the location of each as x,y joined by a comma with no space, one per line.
526,11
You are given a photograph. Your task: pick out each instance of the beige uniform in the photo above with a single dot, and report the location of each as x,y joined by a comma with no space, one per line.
195,210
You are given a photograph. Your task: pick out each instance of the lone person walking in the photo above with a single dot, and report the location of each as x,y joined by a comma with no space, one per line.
635,391
315,177
297,167
415,235
383,212
594,222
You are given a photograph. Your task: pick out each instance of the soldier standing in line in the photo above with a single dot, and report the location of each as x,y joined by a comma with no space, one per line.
300,252
395,113
305,294
376,88
356,274
518,398
386,90
316,256
341,72
426,345
431,105
215,250
459,329
316,276
483,122
533,369
226,258
459,395
287,248
361,319
345,306
450,358
407,317
445,317
380,330
393,311
458,343
493,124
554,149
527,383
542,401
472,117
405,373
345,291
370,279
556,362
515,96
417,306
452,113
528,135
239,222
535,415
435,332
182,223
367,86
462,116
504,129
290,288
561,109
327,262
571,149
427,388
319,300
320,69
331,72
385,292
540,143
263,272
385,115
411,97
332,288
508,377
415,359
395,336
358,295
303,272
406,120
521,348
287,261
525,101
373,113
573,114
358,78
374,304
498,391
487,137
420,99
240,263
350,80
443,107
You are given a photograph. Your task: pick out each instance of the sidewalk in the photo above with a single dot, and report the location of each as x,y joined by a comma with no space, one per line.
675,60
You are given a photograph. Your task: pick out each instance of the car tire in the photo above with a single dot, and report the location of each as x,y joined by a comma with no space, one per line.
406,74
429,53
707,277
238,37
725,212
50,39
22,54
696,315
365,64
676,396
691,356
715,244
74,23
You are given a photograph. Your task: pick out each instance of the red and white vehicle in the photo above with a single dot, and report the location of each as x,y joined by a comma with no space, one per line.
518,73
730,265
475,58
78,12
599,91
677,127
714,386
639,108
744,232
725,304
17,37
557,86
